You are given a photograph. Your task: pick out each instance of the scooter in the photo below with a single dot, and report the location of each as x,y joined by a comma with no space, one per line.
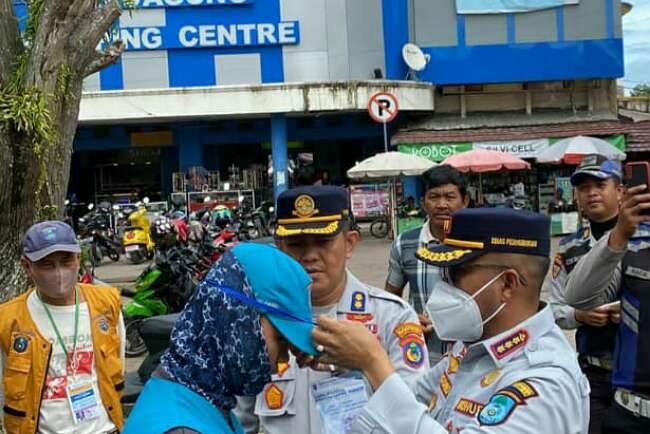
137,241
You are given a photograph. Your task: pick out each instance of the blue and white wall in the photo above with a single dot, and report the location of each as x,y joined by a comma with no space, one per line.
580,41
224,42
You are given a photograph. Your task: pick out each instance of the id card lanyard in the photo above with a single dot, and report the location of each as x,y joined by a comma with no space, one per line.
74,362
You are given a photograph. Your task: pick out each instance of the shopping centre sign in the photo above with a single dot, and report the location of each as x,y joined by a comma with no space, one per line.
439,151
184,28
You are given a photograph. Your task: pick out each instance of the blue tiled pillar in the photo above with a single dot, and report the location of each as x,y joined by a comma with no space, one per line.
280,154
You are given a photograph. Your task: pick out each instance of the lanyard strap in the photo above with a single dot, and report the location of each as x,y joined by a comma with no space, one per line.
56,329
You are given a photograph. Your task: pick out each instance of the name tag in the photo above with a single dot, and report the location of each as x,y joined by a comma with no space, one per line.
339,400
637,272
83,401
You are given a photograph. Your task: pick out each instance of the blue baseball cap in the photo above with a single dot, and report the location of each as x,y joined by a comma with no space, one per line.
596,166
472,232
47,237
281,288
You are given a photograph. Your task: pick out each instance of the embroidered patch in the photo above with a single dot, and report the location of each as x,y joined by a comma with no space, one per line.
413,352
557,265
359,317
102,323
407,329
426,255
503,403
453,365
282,368
274,397
20,344
304,206
358,302
490,378
447,225
445,384
433,402
468,407
510,344
49,233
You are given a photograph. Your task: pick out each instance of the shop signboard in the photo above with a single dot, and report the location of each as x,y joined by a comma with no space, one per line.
435,151
251,24
520,148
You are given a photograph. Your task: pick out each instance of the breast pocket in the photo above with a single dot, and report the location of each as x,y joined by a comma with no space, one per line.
16,376
277,398
110,353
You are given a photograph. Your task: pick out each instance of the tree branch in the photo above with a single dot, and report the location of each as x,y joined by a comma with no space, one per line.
101,21
104,58
10,44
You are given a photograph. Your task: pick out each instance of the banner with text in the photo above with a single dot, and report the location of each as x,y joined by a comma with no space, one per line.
435,151
507,6
519,148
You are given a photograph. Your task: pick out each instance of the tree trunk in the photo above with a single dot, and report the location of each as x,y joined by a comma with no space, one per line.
50,62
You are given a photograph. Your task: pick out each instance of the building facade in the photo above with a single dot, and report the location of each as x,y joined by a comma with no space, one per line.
231,85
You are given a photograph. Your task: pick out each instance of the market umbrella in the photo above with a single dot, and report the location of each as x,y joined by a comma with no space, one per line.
484,160
391,165
572,149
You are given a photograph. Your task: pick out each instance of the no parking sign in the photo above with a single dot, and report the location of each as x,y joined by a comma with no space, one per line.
383,107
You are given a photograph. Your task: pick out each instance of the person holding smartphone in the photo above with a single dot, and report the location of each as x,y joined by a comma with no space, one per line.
618,268
598,184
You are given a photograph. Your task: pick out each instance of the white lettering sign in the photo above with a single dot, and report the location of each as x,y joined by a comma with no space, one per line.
179,3
520,148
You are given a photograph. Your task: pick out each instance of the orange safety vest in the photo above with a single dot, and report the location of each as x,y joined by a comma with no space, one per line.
28,356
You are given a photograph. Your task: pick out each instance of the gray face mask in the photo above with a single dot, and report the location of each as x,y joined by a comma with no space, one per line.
454,314
57,283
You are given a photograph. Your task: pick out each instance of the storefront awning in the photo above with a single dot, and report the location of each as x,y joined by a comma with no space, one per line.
529,138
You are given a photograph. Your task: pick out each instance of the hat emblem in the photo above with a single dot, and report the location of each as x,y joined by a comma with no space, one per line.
49,234
304,206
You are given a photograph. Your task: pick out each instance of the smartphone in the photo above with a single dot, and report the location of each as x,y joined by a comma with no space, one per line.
638,173
610,305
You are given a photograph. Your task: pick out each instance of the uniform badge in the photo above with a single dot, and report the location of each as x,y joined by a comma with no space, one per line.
504,402
433,402
304,206
363,317
557,265
102,323
282,368
510,344
411,340
274,397
413,352
468,407
20,344
358,302
490,378
446,225
453,365
445,384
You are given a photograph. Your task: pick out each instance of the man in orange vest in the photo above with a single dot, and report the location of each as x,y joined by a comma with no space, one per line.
61,344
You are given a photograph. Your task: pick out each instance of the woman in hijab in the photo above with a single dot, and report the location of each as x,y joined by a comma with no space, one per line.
227,342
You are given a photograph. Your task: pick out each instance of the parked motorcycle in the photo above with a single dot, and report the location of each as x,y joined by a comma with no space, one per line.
138,245
97,226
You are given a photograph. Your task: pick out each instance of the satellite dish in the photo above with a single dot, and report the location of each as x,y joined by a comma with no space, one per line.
414,57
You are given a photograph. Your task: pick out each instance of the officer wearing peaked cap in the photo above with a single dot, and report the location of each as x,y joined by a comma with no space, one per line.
511,369
315,226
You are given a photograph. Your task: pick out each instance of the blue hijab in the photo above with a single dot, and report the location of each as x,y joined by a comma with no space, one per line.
217,345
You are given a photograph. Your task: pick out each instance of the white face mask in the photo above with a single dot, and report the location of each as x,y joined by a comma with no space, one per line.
56,284
454,314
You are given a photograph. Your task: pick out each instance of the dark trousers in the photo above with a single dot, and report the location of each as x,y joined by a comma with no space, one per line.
621,421
600,399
